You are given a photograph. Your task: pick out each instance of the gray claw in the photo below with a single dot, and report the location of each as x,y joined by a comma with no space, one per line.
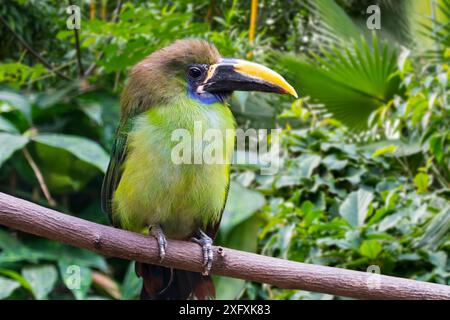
158,234
208,254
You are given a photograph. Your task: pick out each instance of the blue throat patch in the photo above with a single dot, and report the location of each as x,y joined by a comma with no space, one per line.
205,97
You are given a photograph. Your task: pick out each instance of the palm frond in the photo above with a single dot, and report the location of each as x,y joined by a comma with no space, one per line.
437,29
349,83
332,23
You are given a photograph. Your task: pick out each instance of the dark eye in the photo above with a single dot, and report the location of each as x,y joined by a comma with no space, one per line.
195,72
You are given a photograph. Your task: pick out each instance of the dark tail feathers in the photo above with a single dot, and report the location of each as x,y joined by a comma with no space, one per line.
162,283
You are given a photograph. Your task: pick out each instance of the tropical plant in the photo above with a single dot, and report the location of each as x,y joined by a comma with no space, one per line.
381,206
345,74
438,29
351,84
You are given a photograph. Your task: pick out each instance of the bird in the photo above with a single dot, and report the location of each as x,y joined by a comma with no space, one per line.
144,190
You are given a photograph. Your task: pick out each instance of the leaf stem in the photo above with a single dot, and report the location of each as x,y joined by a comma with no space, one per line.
39,176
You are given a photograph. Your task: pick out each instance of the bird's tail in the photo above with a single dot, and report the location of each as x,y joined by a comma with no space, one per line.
161,283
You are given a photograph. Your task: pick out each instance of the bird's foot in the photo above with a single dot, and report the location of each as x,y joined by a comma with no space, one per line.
206,242
156,232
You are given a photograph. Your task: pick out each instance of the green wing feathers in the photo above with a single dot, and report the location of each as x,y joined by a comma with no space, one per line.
115,167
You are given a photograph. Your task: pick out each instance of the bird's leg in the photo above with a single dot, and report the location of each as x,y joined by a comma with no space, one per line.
206,242
156,232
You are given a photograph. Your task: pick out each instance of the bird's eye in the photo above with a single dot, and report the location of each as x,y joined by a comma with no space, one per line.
195,72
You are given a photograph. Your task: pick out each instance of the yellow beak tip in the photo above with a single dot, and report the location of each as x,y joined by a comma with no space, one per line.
290,90
294,94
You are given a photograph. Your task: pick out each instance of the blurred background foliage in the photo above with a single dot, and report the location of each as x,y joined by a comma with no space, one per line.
365,174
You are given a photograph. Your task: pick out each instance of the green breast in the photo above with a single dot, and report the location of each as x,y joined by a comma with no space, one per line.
156,188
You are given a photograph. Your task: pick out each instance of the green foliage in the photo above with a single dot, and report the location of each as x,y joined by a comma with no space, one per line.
438,29
383,203
358,80
42,279
81,148
7,287
355,207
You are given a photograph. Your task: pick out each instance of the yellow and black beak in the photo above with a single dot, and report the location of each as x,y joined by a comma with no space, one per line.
239,75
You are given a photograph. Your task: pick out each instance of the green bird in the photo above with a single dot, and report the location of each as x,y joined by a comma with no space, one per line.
144,190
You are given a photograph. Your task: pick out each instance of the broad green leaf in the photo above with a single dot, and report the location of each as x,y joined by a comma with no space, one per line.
7,287
241,204
370,249
54,96
384,150
306,165
8,242
353,175
333,163
17,277
390,221
287,181
436,232
16,101
84,149
438,259
6,125
421,181
42,279
58,252
63,172
131,285
402,148
94,112
10,143
437,147
355,207
310,213
77,279
43,249
14,250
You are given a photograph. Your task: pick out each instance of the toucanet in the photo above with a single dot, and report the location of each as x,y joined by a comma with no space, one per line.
145,190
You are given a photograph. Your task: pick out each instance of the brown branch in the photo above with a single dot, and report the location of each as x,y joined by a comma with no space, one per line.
32,51
39,177
29,217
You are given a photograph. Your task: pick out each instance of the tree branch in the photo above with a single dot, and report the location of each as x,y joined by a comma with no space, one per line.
32,51
29,217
